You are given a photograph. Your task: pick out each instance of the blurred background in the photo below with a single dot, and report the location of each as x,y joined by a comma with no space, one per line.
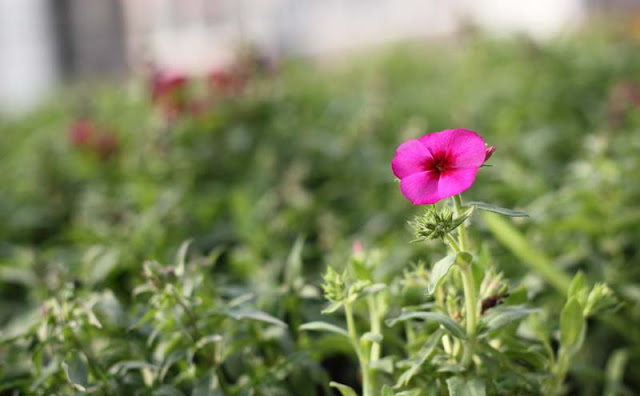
44,42
262,131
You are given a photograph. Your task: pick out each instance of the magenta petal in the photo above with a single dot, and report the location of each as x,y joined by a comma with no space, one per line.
466,148
437,142
456,181
421,188
410,158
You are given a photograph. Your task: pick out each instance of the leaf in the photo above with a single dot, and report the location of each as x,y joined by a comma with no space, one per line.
386,390
373,289
122,367
423,355
145,318
501,316
439,271
578,288
181,257
293,266
334,306
77,372
571,323
459,386
521,247
615,368
238,314
344,389
449,324
372,337
385,365
497,209
323,326
210,339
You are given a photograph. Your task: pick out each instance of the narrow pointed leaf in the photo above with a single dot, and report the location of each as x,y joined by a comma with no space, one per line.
449,324
323,326
255,315
497,209
501,316
344,389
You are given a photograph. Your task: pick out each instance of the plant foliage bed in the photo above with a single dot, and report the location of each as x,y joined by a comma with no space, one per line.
244,234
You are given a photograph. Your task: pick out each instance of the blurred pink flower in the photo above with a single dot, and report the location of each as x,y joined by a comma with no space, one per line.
230,80
166,82
439,165
81,133
169,92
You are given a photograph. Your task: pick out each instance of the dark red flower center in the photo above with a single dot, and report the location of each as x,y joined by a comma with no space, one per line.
439,163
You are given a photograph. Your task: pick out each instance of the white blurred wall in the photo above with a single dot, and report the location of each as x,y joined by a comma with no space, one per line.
195,35
28,69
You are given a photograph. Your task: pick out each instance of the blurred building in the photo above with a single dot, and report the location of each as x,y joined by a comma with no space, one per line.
43,42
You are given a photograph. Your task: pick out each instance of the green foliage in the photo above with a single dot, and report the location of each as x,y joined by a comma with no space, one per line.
273,185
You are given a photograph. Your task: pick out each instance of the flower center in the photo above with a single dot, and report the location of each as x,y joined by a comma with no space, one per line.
438,164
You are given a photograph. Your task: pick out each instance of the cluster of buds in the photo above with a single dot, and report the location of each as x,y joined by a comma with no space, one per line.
436,224
600,299
334,287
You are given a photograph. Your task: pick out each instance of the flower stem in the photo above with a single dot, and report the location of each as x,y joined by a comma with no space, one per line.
470,299
367,389
374,318
471,309
462,231
452,242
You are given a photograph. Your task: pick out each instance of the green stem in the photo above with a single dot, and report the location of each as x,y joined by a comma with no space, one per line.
561,369
470,298
374,318
212,359
462,231
471,309
452,242
367,389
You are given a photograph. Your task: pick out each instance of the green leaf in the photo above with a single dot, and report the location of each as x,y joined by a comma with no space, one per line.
578,288
360,270
293,268
423,355
521,247
439,271
501,316
372,337
239,314
614,376
334,306
459,386
571,323
77,372
385,365
323,326
373,289
386,390
181,257
120,368
449,324
497,209
210,339
344,389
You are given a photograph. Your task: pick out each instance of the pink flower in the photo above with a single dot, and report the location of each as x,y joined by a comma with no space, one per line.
439,165
81,132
